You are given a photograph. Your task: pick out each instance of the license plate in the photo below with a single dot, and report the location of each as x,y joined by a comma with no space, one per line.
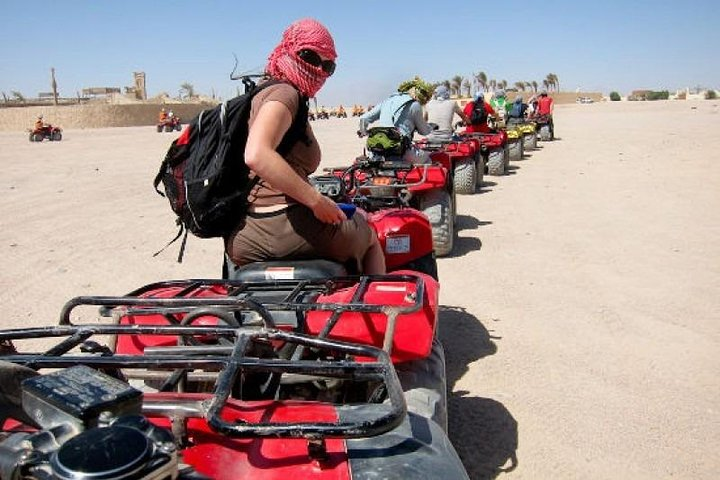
397,244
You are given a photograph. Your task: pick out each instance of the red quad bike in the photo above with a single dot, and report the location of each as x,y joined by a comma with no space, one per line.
542,125
493,150
377,184
283,371
381,190
54,134
464,157
169,125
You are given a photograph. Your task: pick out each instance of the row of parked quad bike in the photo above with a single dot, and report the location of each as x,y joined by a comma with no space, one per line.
277,369
382,183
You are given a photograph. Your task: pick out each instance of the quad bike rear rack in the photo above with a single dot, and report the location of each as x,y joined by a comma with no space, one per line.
226,360
232,363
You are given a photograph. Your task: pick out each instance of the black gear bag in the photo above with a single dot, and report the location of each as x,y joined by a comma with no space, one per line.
204,174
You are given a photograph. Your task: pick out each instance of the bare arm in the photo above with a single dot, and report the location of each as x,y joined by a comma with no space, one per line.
461,114
268,129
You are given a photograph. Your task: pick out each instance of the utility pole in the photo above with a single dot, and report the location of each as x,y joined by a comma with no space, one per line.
54,85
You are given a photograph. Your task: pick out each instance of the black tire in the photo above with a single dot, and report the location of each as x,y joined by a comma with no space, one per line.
496,161
527,142
545,135
437,206
425,386
465,176
159,128
32,137
178,127
56,136
515,149
39,137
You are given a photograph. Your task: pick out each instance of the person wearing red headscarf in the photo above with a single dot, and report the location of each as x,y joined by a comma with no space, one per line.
287,217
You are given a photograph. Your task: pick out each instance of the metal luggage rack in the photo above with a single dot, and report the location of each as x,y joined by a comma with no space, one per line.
251,297
231,362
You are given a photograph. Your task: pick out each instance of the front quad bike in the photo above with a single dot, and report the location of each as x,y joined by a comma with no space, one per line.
54,134
380,190
230,379
544,127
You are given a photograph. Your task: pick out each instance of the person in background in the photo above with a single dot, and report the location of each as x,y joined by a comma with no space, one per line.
39,123
499,104
532,106
162,116
517,110
287,217
478,119
545,107
404,111
441,111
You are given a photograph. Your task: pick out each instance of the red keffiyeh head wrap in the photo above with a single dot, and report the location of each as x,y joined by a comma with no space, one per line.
284,63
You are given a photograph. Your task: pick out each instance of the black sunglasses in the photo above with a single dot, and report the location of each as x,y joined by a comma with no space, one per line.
312,57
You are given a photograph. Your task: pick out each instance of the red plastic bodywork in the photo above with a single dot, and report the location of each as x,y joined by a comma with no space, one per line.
413,334
488,140
396,223
224,458
413,331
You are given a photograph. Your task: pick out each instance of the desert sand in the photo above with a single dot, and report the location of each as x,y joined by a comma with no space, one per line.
581,306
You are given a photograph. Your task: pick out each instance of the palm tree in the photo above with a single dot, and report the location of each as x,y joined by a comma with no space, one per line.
534,86
467,86
520,86
187,90
553,79
482,80
18,96
456,84
546,84
492,83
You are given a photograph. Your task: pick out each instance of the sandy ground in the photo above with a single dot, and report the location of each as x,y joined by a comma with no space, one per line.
580,308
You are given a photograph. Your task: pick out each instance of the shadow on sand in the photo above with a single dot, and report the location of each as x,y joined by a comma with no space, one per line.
482,430
465,245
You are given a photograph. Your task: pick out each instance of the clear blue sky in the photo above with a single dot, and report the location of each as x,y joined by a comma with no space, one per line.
599,45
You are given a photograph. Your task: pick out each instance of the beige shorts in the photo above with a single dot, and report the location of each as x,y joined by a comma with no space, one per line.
295,233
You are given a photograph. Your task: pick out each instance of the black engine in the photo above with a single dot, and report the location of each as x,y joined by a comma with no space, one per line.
89,426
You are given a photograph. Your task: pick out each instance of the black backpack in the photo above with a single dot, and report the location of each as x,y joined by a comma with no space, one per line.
204,174
478,116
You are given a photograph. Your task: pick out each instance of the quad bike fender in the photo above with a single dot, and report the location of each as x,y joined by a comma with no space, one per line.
464,149
136,344
441,158
222,457
414,331
417,449
405,235
437,177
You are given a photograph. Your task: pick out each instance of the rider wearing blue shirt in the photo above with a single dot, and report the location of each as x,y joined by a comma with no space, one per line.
404,111
399,110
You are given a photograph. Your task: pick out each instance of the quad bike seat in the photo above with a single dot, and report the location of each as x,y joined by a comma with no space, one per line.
315,269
